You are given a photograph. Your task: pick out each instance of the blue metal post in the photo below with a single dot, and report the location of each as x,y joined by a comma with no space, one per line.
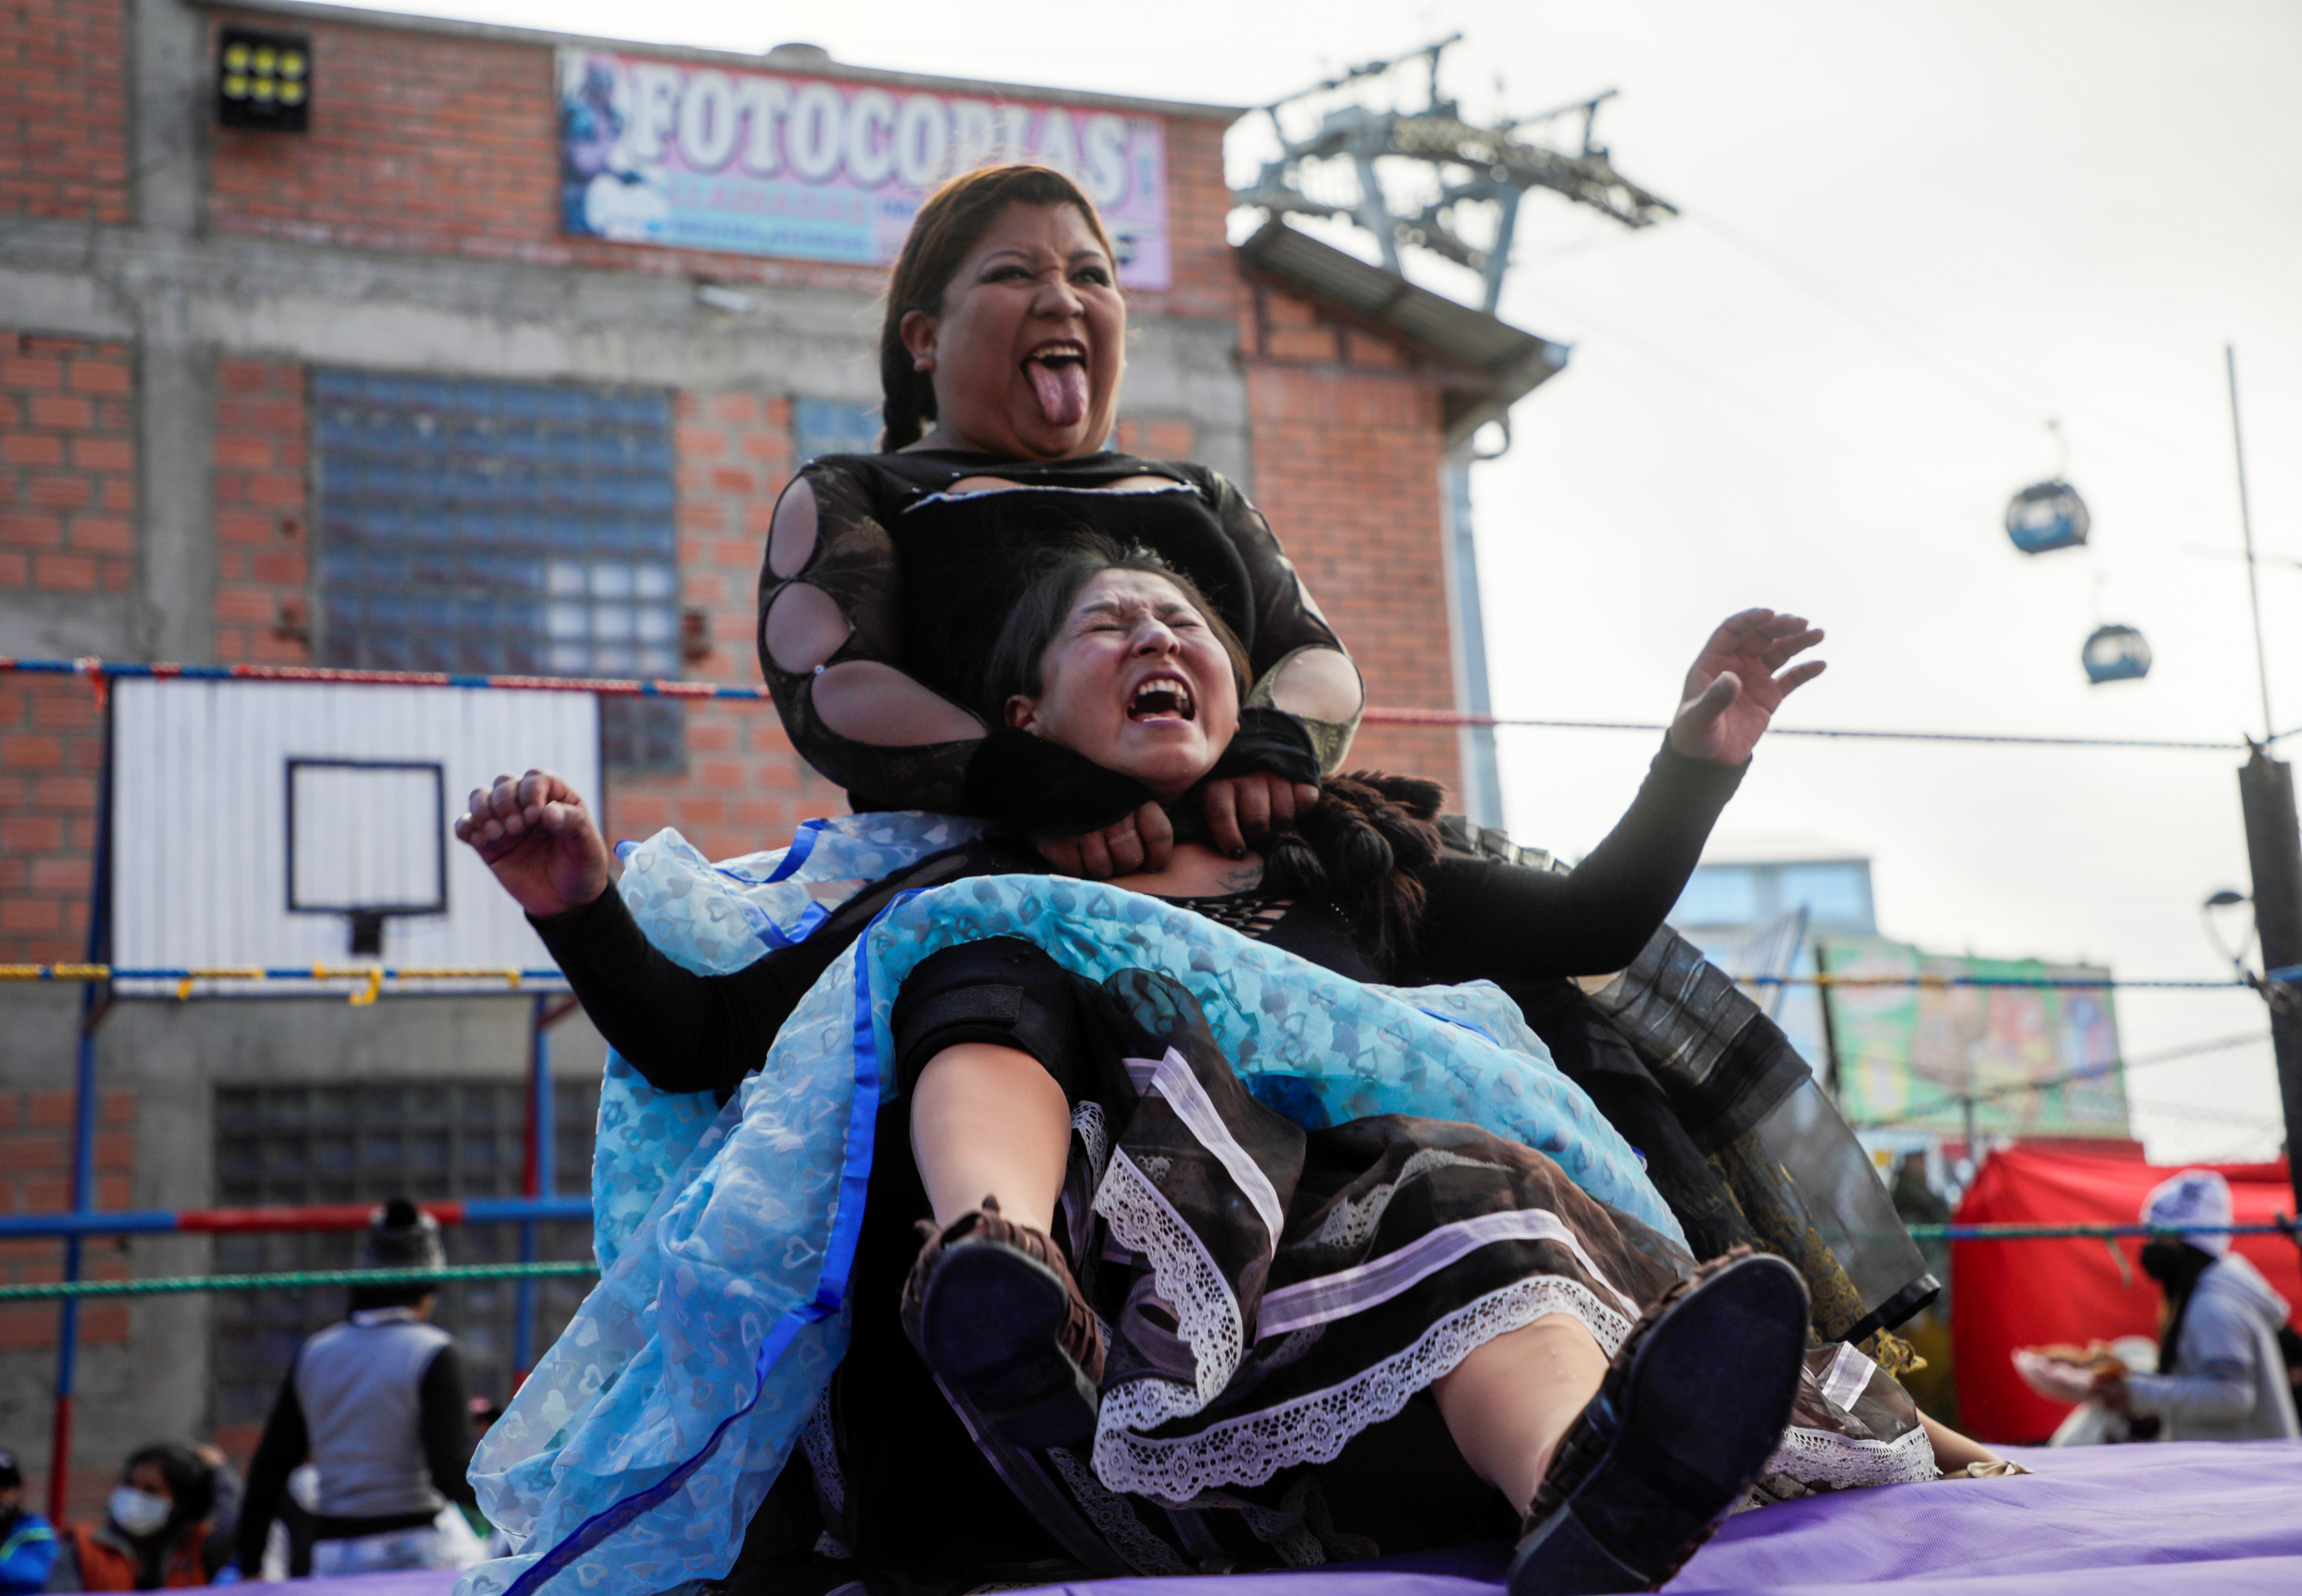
83,1201
93,1001
541,1133
1482,784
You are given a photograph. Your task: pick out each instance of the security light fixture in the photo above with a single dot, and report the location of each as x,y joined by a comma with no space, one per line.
264,81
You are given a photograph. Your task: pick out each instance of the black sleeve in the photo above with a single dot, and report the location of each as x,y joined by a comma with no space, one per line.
444,1423
285,1445
686,1032
1285,618
1287,621
1483,918
853,564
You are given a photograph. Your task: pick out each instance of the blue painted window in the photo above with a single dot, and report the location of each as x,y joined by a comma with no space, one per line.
1718,895
502,528
1835,892
834,427
1836,895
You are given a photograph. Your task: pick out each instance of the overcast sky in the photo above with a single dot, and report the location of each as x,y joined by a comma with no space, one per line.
1910,235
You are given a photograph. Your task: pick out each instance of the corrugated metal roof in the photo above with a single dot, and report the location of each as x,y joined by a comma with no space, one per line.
1514,361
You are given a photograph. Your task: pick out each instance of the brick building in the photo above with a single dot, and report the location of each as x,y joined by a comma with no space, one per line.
237,368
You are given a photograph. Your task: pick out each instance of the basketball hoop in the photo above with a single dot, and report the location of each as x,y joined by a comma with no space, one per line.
367,839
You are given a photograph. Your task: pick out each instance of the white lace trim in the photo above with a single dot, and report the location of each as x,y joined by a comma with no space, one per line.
1208,1316
1314,1428
1825,1459
1352,1222
1115,1521
1088,1125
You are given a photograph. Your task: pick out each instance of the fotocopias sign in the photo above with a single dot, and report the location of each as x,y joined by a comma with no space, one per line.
813,168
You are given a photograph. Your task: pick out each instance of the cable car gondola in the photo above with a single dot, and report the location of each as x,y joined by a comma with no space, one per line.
2048,514
2115,654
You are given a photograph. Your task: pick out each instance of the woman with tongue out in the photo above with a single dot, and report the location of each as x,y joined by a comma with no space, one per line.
887,575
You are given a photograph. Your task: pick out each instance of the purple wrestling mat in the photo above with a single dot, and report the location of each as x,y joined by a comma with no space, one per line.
2197,1518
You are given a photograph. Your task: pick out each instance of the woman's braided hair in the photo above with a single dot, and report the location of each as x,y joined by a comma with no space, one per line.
948,226
1360,850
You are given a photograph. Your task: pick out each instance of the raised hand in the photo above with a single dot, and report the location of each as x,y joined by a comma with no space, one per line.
1737,683
534,833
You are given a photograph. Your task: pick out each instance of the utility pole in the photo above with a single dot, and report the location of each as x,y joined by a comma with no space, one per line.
1457,193
2273,845
2265,788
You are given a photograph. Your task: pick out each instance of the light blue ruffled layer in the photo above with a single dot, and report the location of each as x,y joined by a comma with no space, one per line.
689,1371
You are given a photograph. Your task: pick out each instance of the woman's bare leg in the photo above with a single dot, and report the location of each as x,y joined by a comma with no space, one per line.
1509,1403
990,1120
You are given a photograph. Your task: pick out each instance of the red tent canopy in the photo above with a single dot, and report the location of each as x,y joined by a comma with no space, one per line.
2010,1294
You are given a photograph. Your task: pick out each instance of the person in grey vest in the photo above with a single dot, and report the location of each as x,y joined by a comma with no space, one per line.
2220,1374
377,1404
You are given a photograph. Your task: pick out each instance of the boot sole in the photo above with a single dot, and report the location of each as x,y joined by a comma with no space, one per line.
988,1325
1701,1408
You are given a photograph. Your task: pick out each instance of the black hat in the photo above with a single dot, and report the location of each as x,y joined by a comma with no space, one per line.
10,1474
402,1236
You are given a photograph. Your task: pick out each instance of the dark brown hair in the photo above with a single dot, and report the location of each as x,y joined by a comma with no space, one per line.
1359,851
950,224
1053,582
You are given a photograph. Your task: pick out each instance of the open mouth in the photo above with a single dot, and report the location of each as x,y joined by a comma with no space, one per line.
1162,698
1058,375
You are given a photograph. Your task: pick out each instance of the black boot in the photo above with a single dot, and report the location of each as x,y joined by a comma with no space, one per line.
1692,1408
992,1307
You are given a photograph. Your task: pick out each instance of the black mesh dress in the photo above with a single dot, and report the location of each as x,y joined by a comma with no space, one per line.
923,578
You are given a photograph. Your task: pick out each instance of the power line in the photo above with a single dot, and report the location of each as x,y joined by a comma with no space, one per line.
1928,345
1743,396
101,671
1381,716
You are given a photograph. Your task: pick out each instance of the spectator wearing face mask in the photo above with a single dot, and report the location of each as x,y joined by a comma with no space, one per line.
28,1541
154,1531
2221,1373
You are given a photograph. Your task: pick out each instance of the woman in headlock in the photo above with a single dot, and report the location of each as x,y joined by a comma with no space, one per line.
1089,1078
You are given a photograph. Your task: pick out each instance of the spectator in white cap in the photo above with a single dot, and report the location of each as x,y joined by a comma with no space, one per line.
2221,1375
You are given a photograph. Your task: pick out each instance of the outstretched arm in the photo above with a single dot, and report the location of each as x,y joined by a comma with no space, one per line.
1485,919
682,1031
